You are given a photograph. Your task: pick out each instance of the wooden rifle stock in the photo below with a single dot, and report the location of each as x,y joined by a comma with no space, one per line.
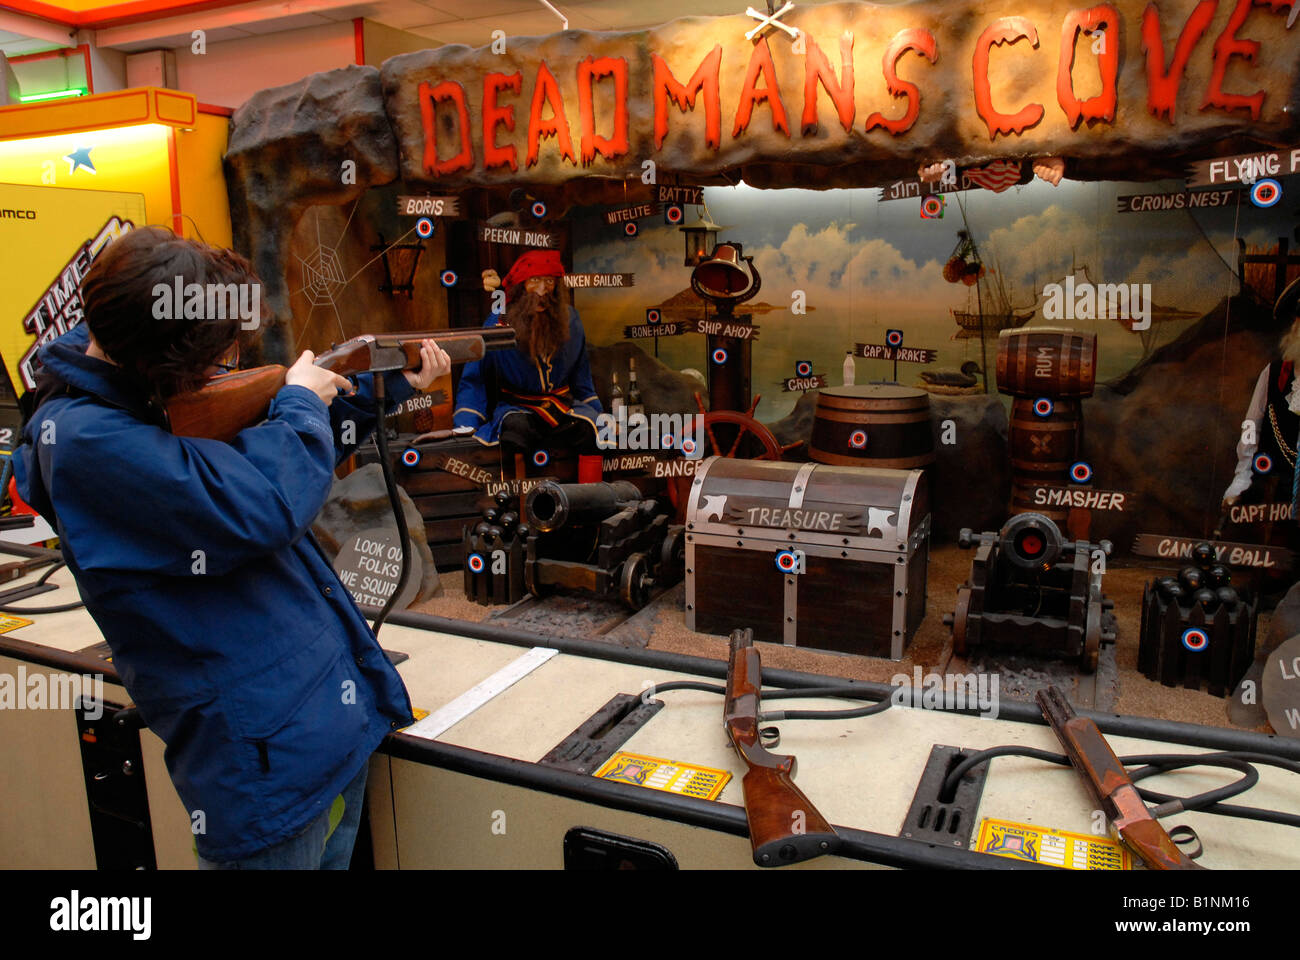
1110,785
784,826
231,402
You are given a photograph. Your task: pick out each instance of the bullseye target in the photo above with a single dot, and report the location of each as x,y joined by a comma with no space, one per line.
719,356
894,338
1195,639
803,368
1081,472
667,442
688,446
932,208
858,440
539,209
449,278
475,563
786,561
1043,407
1266,193
630,229
1263,463
673,214
411,456
541,458
652,315
424,228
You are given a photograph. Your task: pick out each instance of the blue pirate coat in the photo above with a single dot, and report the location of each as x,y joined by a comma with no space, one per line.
254,666
556,388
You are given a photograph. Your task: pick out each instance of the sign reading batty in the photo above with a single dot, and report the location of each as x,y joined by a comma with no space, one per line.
866,92
517,236
428,206
878,351
1233,554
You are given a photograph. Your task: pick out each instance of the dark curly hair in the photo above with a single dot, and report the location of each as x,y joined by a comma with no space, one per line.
163,352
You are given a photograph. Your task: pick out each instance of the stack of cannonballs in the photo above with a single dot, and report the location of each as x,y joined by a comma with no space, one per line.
1198,630
494,554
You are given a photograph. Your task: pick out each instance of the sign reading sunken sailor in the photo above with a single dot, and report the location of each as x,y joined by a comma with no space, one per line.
863,94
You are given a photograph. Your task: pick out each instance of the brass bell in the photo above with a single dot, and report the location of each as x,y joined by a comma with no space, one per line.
726,275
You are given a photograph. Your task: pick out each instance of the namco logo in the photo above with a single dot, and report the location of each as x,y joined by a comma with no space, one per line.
7,214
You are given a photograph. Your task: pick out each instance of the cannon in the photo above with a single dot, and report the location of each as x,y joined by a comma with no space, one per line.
1032,591
604,538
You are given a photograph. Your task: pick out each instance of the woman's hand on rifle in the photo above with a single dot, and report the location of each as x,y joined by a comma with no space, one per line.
434,363
324,383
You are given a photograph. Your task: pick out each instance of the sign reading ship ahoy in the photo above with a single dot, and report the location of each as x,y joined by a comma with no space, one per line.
862,85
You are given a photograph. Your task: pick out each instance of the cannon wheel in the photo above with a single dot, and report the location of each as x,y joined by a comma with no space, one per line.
960,614
634,583
1091,639
672,556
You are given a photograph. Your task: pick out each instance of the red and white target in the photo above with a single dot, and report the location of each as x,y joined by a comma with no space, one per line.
630,229
1196,639
652,316
858,441
667,442
1263,463
539,209
1266,193
475,563
449,278
688,446
1043,407
424,228
541,458
894,338
803,368
673,214
411,456
1081,472
719,356
786,561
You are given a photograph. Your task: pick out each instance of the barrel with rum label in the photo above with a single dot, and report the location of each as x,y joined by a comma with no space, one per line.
1047,362
873,425
1045,440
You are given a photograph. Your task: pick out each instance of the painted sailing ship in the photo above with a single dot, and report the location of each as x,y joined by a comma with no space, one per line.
998,311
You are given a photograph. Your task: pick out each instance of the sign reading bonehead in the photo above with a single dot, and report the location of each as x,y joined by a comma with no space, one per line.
862,86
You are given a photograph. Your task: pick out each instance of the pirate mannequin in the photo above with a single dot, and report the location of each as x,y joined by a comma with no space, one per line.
540,395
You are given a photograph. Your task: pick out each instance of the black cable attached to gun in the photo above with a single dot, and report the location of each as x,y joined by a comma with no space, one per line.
403,535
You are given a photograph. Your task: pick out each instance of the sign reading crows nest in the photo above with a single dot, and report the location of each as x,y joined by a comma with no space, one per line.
863,89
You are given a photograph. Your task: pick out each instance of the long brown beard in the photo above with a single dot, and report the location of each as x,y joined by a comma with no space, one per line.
538,335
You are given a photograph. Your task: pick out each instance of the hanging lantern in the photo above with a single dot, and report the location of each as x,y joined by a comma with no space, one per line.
700,240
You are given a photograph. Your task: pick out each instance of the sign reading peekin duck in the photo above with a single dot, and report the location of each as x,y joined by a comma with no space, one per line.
863,95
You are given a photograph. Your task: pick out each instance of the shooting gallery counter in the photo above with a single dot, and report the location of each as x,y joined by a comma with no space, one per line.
478,795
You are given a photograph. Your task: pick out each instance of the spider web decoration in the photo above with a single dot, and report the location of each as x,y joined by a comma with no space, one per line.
322,275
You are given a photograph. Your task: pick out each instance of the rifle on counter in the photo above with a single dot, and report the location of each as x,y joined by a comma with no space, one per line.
1110,785
784,826
231,402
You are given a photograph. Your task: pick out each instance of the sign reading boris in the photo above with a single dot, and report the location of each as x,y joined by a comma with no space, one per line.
855,97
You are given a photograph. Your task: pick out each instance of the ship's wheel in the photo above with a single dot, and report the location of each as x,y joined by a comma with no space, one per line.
733,434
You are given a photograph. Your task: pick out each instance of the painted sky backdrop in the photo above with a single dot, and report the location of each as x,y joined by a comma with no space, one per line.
868,266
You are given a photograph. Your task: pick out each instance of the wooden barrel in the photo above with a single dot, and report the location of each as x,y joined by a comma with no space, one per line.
1043,448
874,425
1047,362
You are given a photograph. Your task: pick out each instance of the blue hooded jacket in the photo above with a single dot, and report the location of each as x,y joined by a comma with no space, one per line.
229,628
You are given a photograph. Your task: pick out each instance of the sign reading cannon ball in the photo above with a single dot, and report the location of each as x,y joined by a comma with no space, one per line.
370,564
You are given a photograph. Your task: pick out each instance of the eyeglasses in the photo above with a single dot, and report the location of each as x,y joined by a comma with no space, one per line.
228,361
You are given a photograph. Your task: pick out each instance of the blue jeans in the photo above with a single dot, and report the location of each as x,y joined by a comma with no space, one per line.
315,848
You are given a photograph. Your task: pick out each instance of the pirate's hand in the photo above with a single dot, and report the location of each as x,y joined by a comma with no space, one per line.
434,363
932,172
490,280
1051,169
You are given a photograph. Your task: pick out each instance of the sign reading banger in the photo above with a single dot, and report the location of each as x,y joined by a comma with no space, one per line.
860,84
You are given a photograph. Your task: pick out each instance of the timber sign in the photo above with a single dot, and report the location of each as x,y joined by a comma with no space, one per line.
862,88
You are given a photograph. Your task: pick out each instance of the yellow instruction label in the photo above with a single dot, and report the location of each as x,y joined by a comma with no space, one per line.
1059,848
8,623
673,776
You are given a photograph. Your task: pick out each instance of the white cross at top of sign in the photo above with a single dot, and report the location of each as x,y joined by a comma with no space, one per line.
771,20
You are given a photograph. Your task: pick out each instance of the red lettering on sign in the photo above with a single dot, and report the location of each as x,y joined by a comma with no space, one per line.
760,62
1102,106
495,116
547,91
1005,30
922,41
818,69
1162,84
1225,48
430,97
704,80
589,71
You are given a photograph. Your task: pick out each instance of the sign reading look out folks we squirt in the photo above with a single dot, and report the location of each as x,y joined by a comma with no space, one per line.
862,86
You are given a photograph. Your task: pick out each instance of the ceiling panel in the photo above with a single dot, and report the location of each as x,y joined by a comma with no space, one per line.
478,32
296,22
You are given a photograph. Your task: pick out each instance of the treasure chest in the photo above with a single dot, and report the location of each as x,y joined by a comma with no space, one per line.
808,554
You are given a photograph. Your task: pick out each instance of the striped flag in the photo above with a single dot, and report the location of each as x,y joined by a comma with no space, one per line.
995,176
